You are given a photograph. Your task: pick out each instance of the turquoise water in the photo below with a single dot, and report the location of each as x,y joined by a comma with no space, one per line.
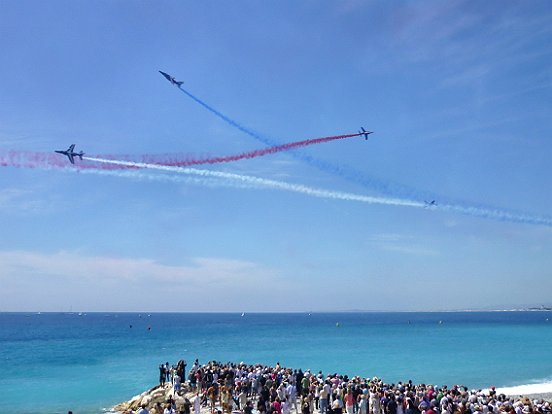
53,362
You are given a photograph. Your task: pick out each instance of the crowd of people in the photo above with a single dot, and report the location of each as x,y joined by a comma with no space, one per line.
259,389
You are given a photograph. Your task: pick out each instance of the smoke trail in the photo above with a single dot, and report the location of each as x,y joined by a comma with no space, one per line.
497,214
252,154
138,175
387,188
46,161
218,178
29,159
347,173
265,183
228,120
494,214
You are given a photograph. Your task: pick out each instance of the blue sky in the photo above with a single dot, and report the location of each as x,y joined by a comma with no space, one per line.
458,94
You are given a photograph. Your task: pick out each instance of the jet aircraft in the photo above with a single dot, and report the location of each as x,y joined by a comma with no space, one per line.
171,79
431,203
364,132
71,154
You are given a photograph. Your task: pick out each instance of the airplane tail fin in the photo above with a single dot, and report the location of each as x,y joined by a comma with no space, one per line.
179,83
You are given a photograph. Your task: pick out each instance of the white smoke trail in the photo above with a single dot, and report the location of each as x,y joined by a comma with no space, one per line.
263,182
137,175
251,181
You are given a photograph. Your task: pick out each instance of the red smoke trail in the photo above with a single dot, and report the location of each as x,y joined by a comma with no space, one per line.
45,160
250,154
29,159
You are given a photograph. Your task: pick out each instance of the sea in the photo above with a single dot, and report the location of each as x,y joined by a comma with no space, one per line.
88,362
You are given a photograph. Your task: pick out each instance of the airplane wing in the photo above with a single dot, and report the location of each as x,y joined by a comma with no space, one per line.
71,148
70,156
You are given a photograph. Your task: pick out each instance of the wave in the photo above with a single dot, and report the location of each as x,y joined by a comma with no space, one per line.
527,389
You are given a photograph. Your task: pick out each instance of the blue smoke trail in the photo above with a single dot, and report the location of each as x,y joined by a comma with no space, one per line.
385,188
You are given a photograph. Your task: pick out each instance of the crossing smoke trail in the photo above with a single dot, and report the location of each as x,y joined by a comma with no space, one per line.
347,173
315,192
361,178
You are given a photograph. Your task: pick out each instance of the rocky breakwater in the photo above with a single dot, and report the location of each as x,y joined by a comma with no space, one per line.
160,394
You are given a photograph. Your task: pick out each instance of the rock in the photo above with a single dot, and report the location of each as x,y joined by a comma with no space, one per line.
146,400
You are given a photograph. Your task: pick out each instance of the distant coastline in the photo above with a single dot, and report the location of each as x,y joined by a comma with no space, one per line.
147,313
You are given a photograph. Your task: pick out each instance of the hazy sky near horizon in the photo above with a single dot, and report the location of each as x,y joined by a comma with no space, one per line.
459,96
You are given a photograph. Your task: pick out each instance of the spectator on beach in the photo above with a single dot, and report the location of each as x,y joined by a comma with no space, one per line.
197,404
374,402
286,406
261,406
181,369
277,406
167,372
248,408
162,375
176,383
212,396
337,404
323,399
169,409
305,383
349,401
391,406
143,410
157,409
292,395
242,398
305,405
226,399
186,406
299,381
363,402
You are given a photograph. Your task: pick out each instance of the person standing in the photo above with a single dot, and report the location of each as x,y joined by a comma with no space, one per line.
176,383
167,372
298,381
292,395
305,405
197,404
162,375
143,410
391,406
323,400
349,401
363,402
186,406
